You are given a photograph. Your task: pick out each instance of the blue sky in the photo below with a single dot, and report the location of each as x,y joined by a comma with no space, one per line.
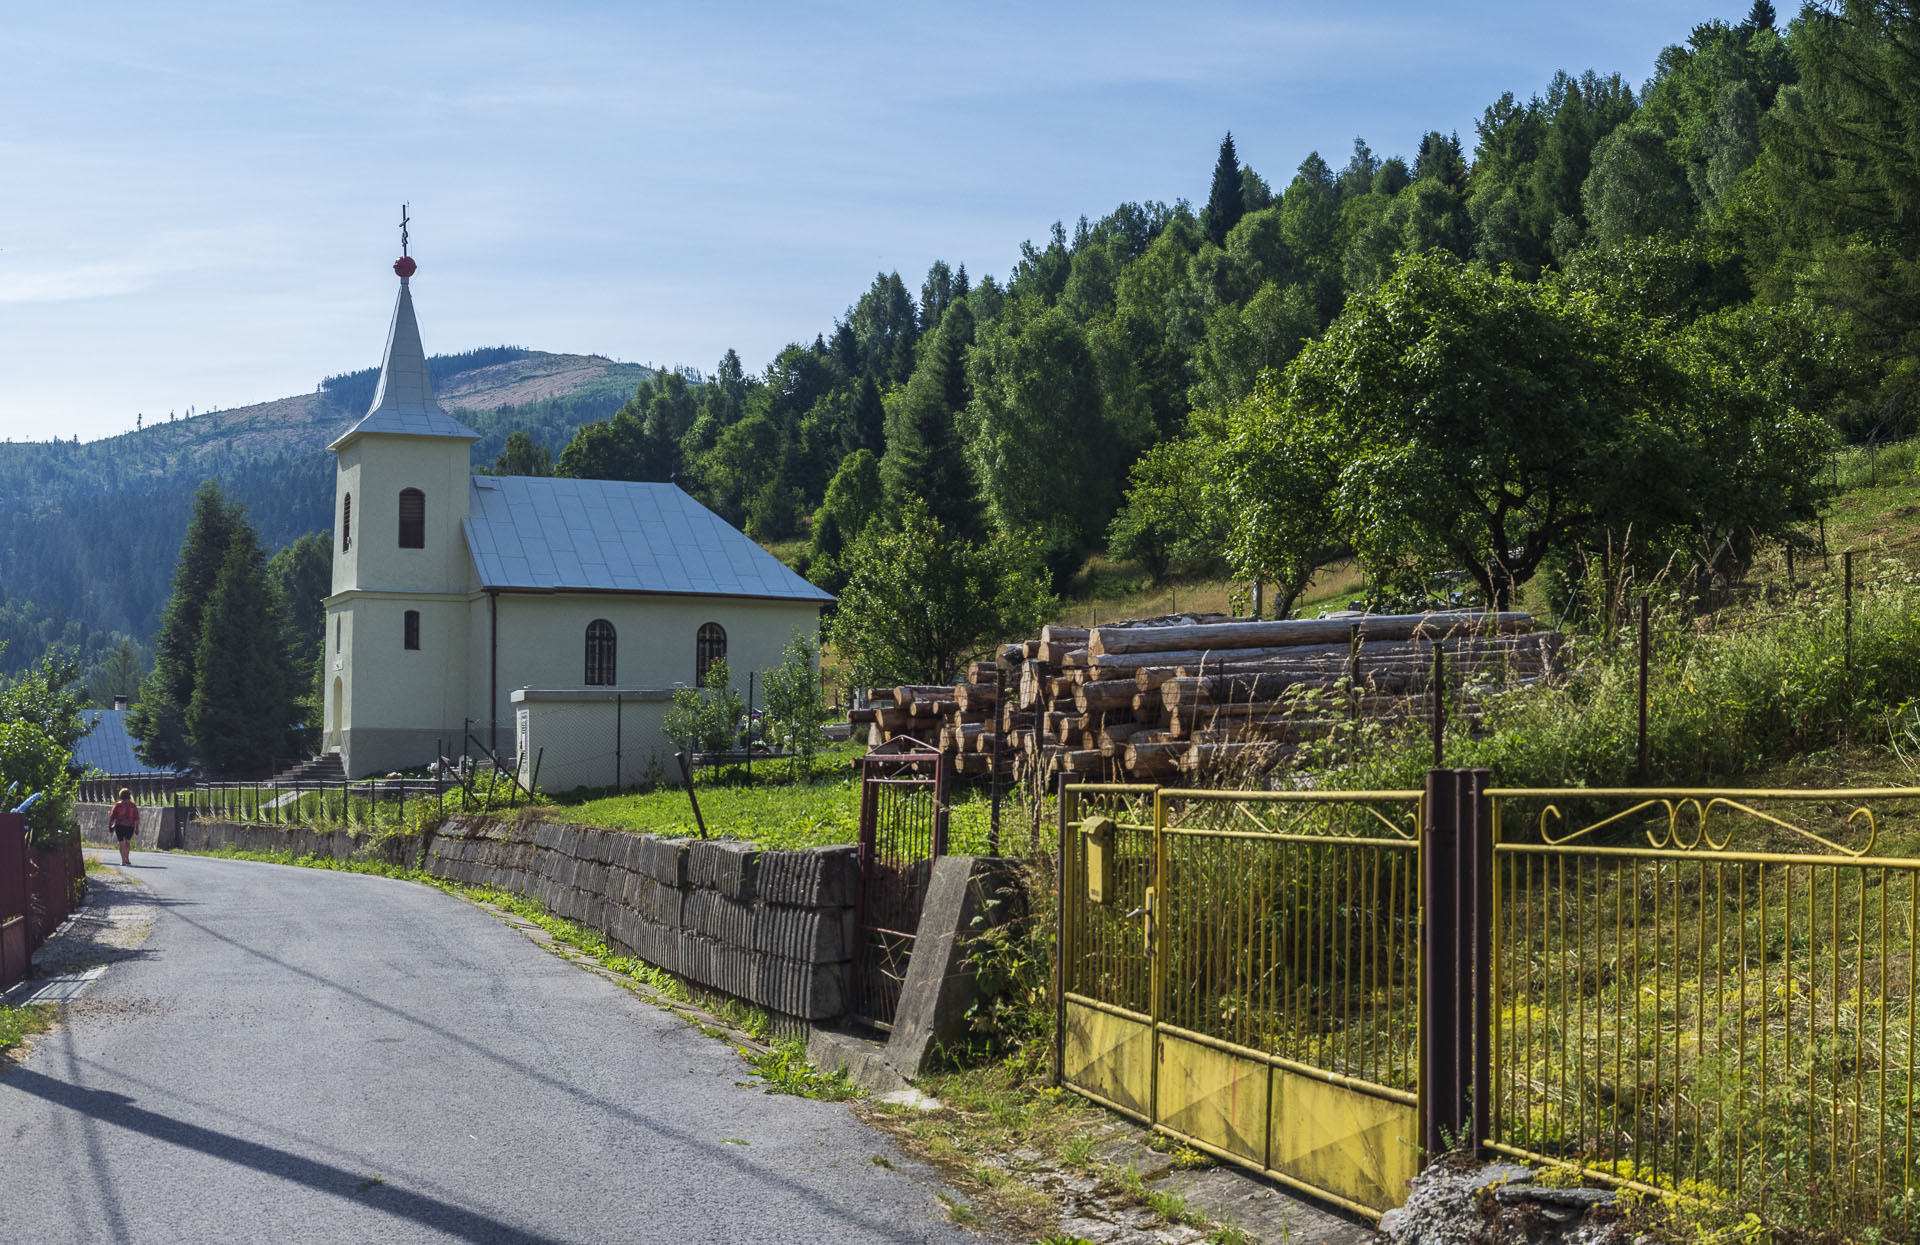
200,199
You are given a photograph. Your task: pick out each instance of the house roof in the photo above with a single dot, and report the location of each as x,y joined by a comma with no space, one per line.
530,532
404,404
107,747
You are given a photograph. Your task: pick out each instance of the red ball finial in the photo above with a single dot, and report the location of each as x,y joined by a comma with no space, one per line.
405,266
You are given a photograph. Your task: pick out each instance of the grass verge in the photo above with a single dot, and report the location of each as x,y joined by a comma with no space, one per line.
17,1024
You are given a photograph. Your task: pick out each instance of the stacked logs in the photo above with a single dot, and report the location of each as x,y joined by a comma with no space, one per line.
1201,696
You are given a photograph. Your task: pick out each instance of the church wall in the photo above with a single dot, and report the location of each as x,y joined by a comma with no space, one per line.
346,484
543,638
403,701
376,468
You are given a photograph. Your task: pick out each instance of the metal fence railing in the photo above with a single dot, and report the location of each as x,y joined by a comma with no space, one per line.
1713,992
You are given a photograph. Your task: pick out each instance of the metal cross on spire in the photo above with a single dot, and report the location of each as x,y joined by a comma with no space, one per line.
403,229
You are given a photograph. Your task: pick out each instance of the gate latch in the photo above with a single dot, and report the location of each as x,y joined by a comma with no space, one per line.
1098,832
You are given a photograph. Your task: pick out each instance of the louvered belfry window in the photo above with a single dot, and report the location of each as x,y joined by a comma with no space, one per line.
413,519
410,629
600,653
346,523
708,647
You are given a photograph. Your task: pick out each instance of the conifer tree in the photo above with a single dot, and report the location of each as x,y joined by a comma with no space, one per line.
242,712
924,456
220,697
869,418
157,722
1226,203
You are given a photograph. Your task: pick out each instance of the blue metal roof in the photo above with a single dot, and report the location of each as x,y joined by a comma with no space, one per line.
108,748
614,536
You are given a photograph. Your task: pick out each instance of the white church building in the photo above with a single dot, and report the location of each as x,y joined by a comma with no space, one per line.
544,618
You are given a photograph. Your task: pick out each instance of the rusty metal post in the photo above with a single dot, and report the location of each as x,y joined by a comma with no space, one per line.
940,768
1645,650
1439,705
863,880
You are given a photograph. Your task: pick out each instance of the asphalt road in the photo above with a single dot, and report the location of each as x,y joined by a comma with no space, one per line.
296,1055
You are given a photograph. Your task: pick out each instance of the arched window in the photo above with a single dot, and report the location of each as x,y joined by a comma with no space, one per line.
346,523
708,647
600,653
413,519
410,629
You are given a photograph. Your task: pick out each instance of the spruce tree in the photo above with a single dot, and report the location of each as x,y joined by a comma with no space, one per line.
242,712
158,719
924,456
1225,202
1760,16
869,419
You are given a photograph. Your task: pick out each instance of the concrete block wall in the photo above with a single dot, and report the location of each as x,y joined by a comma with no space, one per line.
773,928
157,831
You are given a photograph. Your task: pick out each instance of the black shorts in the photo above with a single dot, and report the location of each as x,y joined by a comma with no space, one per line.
123,833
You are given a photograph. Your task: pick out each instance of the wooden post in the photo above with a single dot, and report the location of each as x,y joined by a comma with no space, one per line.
1846,564
1645,645
687,776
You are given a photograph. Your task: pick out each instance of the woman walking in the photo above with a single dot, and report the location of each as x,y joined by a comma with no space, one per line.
125,820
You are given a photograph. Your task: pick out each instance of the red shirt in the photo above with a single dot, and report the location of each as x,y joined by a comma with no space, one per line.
124,814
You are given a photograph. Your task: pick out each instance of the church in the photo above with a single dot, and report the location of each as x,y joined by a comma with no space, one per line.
545,620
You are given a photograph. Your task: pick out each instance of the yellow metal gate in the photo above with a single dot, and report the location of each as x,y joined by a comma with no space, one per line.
1242,970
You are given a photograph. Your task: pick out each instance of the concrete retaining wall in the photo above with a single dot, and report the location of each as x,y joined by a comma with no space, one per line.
158,826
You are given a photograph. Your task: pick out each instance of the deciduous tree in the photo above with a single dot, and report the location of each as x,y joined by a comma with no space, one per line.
1461,419
918,604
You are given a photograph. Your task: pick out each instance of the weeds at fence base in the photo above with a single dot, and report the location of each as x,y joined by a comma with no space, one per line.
783,1069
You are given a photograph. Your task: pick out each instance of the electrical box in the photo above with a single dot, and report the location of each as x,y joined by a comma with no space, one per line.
1099,856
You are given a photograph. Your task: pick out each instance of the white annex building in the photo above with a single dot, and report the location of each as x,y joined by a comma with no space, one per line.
543,617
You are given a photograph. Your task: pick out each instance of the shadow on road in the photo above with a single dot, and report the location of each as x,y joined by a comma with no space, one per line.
724,1154
120,1111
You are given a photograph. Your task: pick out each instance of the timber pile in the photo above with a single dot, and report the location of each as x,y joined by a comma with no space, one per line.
1198,696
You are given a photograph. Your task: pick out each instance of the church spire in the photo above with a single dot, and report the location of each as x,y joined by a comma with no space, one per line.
404,404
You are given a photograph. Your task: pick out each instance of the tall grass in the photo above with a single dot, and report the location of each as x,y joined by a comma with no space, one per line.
1728,695
1869,466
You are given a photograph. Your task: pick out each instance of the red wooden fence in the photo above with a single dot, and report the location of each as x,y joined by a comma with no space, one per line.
38,889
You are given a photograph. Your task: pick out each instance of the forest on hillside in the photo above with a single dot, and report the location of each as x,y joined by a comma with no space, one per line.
1644,316
1735,242
89,532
